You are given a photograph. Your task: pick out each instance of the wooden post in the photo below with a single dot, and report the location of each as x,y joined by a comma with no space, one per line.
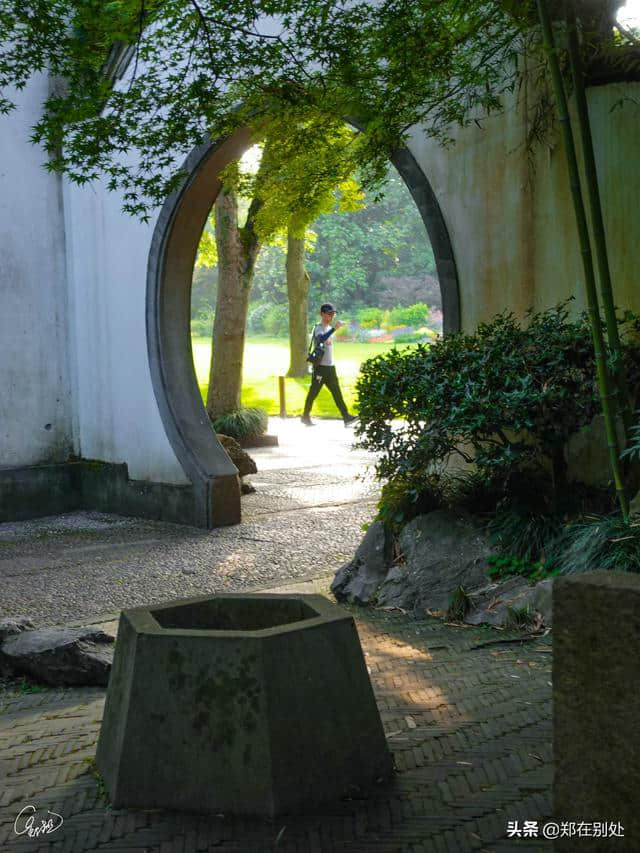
283,402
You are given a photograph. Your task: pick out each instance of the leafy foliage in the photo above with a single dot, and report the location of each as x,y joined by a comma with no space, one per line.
632,451
402,499
505,400
411,315
598,543
202,323
370,318
242,423
358,252
359,258
208,67
503,566
276,321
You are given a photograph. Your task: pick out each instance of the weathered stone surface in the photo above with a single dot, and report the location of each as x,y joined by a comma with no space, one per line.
240,458
442,551
491,604
12,625
247,489
243,704
64,657
542,600
596,704
358,580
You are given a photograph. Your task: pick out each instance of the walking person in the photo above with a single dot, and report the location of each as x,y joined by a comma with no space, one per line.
324,371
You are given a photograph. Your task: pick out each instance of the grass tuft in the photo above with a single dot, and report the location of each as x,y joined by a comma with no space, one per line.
243,423
459,605
597,543
523,534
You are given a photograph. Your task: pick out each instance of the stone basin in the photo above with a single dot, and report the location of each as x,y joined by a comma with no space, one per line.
244,704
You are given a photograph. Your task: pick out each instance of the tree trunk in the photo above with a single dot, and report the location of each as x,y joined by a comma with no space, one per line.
298,292
237,253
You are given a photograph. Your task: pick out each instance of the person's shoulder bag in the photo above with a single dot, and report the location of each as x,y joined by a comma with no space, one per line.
316,349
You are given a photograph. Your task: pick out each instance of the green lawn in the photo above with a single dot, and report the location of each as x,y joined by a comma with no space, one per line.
267,358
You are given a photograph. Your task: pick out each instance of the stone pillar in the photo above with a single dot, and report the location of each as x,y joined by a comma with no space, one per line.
596,706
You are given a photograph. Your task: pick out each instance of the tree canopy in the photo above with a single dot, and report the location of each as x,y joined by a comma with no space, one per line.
358,257
201,67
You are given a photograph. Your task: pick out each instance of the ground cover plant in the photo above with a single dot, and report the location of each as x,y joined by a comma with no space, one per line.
243,423
502,404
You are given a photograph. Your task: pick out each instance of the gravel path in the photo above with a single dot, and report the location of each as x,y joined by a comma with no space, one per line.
304,521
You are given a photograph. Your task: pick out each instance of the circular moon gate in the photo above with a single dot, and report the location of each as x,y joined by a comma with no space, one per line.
171,259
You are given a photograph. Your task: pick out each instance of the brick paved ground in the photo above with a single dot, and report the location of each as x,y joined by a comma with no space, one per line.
468,720
469,724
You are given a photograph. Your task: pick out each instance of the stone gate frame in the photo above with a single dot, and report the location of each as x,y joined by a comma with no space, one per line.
168,309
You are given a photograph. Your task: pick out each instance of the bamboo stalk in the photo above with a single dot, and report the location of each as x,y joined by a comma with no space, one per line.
597,222
604,382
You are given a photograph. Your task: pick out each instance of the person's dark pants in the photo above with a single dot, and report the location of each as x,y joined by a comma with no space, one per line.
325,375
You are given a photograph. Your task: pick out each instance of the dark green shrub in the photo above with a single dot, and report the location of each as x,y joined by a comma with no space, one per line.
473,492
506,398
244,422
401,500
519,618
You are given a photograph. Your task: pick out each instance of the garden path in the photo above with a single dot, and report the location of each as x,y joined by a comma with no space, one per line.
469,724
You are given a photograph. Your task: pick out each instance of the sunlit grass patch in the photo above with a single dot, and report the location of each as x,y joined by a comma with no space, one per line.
267,358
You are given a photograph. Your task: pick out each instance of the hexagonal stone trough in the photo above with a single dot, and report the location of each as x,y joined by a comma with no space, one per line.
246,704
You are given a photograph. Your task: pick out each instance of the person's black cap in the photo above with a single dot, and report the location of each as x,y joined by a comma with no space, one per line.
328,308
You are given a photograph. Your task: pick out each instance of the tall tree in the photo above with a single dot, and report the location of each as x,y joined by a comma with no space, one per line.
298,295
237,250
275,209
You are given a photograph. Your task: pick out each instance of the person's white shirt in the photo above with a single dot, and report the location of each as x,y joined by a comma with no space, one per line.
327,358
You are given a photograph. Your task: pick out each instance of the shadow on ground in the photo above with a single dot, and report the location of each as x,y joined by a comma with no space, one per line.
467,713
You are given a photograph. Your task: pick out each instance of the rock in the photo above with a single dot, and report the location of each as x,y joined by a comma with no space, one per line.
12,625
240,458
247,489
491,604
442,550
358,580
542,600
61,657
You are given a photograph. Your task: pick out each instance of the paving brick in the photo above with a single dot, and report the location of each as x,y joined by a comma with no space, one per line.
471,749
